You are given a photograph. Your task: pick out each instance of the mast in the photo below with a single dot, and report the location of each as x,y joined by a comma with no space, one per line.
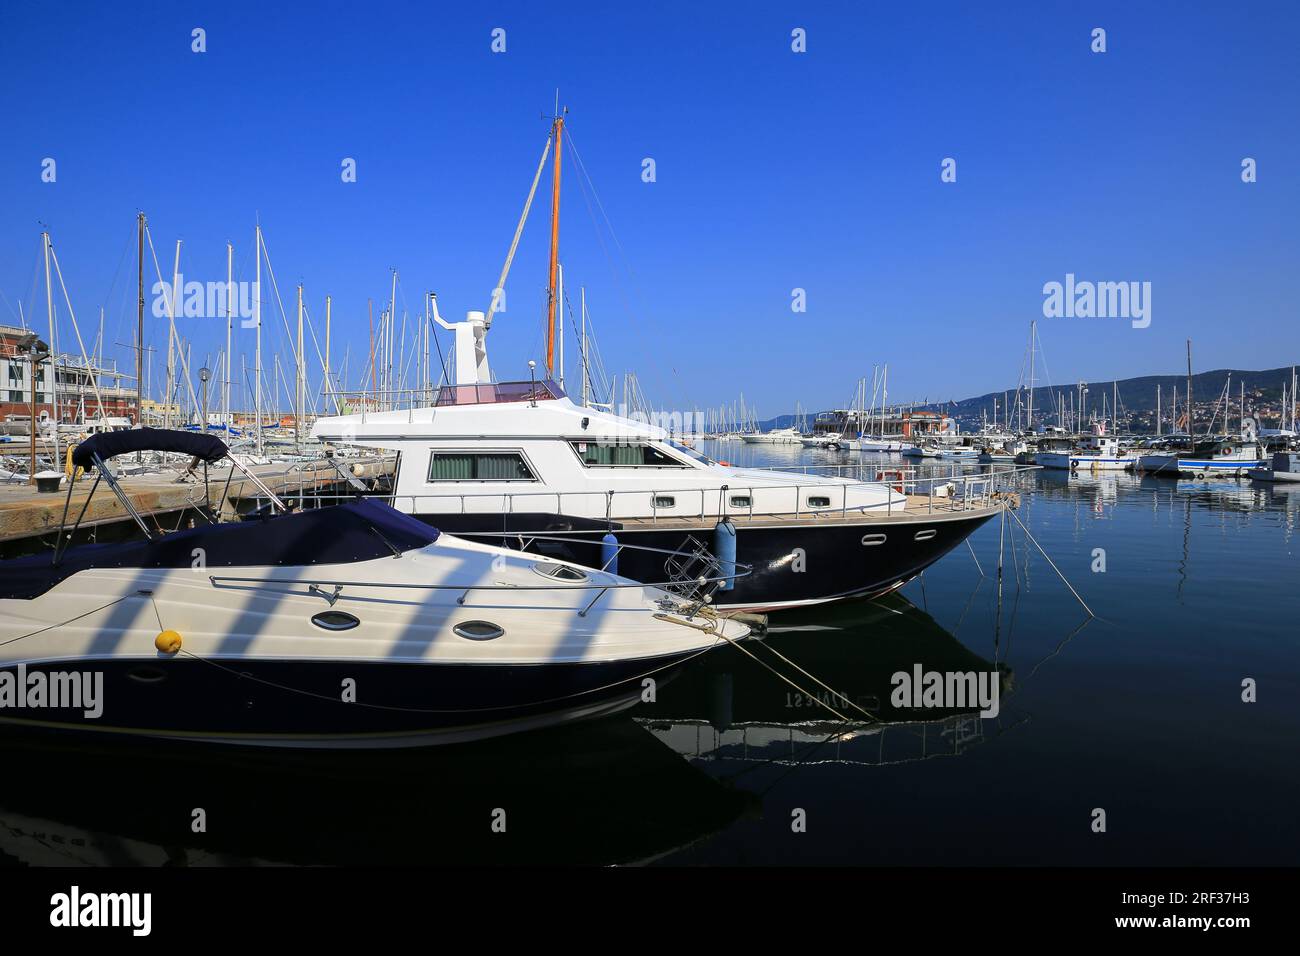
299,374
583,346
558,129
1158,406
257,361
560,296
1190,431
1029,414
230,293
328,390
139,326
388,342
54,365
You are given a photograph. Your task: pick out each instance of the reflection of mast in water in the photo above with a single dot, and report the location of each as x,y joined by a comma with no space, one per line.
1187,538
732,708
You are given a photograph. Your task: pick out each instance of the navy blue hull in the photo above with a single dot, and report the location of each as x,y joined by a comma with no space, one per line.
300,703
792,564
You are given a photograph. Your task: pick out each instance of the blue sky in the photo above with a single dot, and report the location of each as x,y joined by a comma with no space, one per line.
775,171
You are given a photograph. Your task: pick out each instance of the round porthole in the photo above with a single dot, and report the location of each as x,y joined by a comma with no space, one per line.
478,630
335,620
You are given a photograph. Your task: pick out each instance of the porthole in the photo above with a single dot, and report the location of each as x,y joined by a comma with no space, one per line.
665,501
869,540
561,572
817,501
926,535
335,620
478,630
741,501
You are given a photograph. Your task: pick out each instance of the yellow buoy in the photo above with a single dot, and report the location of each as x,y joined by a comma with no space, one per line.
169,642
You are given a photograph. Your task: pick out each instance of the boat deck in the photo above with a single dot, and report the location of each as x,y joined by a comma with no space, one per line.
918,508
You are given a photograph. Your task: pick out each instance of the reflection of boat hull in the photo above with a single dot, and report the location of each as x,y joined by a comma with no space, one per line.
569,795
731,706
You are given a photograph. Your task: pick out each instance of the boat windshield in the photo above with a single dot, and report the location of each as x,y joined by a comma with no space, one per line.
691,453
498,392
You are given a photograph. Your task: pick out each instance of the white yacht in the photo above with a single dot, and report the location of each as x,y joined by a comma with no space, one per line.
777,436
520,458
353,626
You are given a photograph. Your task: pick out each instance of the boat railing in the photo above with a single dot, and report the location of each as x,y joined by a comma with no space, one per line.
695,590
910,493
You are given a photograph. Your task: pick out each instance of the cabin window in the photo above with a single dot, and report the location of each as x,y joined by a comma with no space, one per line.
335,620
818,501
479,630
610,454
665,501
741,501
478,466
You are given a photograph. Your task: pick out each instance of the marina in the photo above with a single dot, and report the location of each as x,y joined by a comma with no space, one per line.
439,444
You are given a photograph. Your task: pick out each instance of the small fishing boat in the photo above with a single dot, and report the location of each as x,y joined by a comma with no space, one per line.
1283,469
1217,456
354,626
1097,453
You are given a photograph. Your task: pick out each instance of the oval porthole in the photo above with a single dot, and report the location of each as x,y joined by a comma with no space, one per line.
741,501
665,501
146,675
478,630
873,539
819,502
335,620
561,572
926,535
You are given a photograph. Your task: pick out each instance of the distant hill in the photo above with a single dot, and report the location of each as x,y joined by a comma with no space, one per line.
1137,397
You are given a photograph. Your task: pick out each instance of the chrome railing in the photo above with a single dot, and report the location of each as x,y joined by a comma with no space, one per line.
938,493
694,592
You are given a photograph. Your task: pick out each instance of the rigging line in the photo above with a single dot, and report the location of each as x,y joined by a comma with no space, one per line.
73,620
171,317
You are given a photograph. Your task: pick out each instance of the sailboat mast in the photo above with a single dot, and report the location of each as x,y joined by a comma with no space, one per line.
230,294
257,360
1190,431
558,128
583,308
299,376
139,325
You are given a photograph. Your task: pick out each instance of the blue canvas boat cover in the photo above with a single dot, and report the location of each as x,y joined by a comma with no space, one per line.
353,531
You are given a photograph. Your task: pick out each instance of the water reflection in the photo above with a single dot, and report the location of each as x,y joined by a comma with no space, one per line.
739,708
627,789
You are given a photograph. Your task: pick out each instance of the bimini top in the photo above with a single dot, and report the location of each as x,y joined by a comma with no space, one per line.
110,444
358,530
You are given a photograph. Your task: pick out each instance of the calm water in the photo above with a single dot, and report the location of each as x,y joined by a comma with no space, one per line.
1137,711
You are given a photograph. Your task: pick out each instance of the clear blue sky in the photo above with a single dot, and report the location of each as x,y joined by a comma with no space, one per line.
775,170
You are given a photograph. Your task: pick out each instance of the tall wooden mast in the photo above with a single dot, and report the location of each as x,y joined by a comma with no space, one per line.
558,130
